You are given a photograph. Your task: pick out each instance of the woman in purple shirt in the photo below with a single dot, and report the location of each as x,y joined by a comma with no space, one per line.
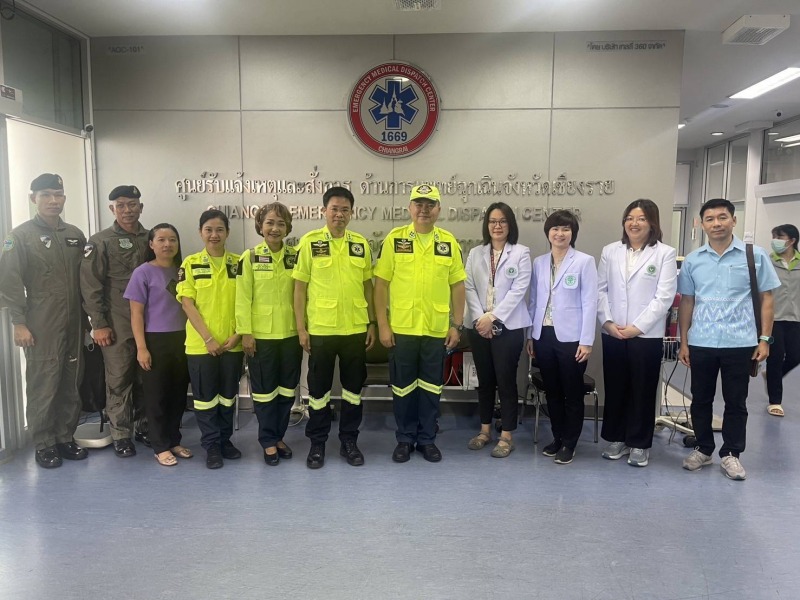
159,327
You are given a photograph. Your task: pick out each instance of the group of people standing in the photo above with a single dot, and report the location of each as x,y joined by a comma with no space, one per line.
164,321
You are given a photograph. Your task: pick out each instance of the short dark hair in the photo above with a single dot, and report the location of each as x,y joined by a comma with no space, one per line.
562,218
282,211
650,210
150,255
508,214
338,192
213,213
789,231
718,203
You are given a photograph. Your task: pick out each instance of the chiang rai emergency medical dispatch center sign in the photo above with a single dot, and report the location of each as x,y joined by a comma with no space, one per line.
393,109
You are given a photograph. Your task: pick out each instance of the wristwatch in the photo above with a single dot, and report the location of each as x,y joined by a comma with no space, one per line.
766,338
458,328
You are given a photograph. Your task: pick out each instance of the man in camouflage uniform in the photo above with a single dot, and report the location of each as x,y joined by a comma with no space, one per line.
39,274
109,259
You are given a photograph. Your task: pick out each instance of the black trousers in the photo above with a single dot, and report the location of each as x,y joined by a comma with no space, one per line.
784,355
496,361
164,387
416,370
274,375
734,366
352,354
215,383
562,376
631,370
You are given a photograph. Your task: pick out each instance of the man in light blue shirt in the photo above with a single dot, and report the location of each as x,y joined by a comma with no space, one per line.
718,332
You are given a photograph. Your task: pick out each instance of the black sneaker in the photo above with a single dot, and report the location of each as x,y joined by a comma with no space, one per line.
48,458
71,451
124,448
230,451
552,448
214,457
564,456
402,453
351,452
316,456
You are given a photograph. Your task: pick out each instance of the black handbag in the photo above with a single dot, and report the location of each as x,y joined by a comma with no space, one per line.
93,385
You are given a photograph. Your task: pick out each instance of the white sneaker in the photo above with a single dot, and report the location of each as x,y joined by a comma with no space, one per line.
615,451
696,460
732,468
639,457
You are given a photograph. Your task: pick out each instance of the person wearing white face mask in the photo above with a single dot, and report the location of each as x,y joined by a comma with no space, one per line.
785,352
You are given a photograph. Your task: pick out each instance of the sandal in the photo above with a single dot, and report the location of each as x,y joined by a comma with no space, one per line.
166,459
776,410
479,441
503,448
182,451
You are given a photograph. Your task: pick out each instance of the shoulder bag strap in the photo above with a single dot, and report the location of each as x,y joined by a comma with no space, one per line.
751,266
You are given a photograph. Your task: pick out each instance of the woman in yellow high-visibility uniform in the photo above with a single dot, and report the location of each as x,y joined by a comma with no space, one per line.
265,320
207,292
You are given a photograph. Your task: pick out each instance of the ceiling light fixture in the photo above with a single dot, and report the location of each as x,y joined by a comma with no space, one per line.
790,145
791,138
717,133
681,125
774,133
768,84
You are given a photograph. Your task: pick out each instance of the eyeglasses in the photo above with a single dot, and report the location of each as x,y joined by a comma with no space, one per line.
639,220
496,222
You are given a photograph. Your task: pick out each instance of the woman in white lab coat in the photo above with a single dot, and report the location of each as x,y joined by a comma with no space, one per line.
563,308
498,276
637,279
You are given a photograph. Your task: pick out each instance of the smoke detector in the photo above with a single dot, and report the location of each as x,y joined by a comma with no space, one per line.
415,5
755,30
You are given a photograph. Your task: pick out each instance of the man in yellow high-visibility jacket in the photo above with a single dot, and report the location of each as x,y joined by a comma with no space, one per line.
419,277
335,318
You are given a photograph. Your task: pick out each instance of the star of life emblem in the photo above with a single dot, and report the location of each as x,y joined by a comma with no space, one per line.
393,109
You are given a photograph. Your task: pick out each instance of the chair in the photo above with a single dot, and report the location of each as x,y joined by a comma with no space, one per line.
536,390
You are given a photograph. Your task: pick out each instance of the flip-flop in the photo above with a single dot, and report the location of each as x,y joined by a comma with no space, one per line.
182,451
166,459
776,410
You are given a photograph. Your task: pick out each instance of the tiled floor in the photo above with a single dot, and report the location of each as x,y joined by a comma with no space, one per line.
470,527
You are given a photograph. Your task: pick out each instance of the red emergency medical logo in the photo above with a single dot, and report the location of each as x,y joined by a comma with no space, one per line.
393,109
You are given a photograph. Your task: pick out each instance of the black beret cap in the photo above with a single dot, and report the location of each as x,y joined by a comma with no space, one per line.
125,191
47,181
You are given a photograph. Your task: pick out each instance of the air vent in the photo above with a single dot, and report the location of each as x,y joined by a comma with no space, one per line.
755,30
415,5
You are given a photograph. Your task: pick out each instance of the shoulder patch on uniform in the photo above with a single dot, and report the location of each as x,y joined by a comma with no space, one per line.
403,246
88,249
443,249
233,269
356,249
289,261
8,244
46,240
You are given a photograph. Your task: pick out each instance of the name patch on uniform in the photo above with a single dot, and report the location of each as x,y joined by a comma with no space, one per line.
264,259
73,242
356,249
8,244
87,250
403,246
443,249
320,248
289,261
125,244
201,271
46,240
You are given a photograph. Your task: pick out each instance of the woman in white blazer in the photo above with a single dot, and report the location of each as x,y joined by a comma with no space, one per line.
498,276
563,305
637,279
